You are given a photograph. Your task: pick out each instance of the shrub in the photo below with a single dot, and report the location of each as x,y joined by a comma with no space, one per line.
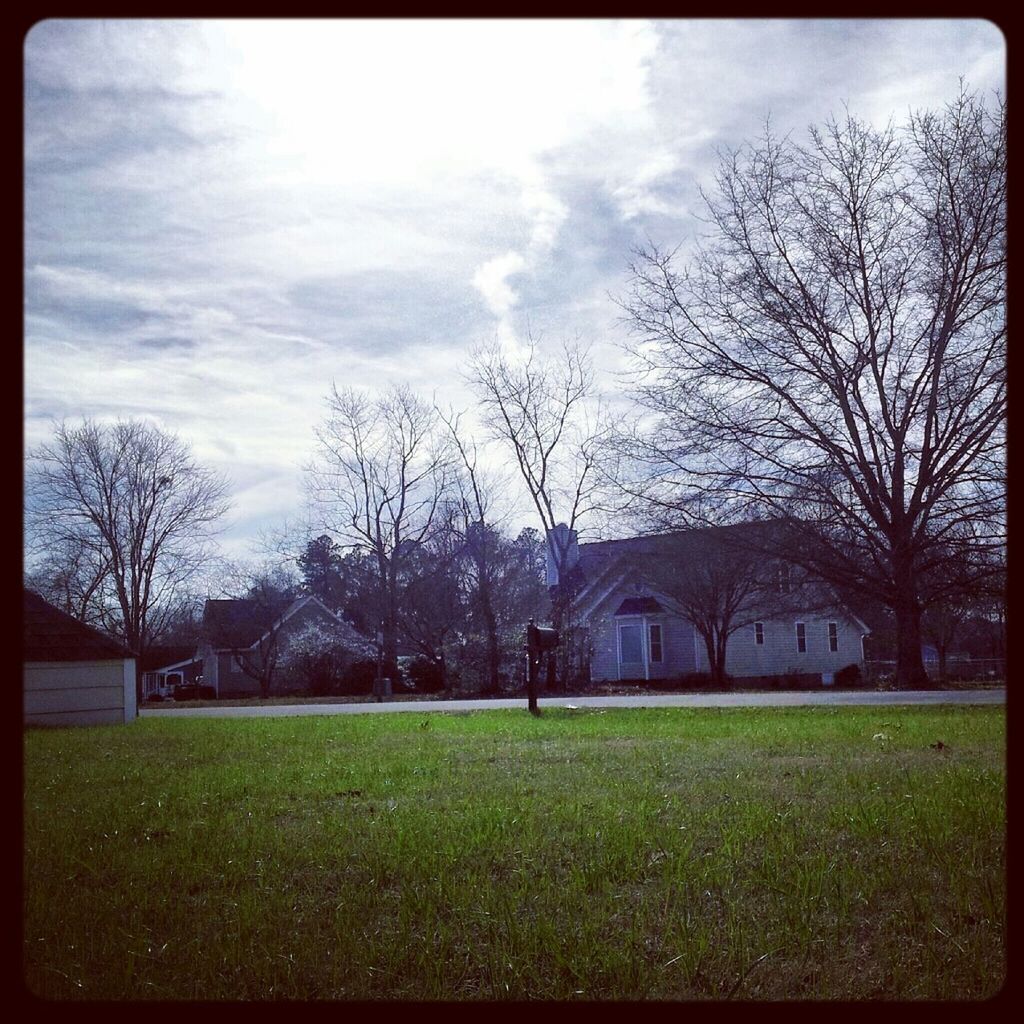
849,676
694,681
426,675
358,677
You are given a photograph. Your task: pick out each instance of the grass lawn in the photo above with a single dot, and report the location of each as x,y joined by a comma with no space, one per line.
819,853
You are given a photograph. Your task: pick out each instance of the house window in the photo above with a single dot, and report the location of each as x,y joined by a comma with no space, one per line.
833,636
655,638
630,644
801,638
759,633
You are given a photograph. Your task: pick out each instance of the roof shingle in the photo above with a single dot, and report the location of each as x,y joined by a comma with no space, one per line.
52,635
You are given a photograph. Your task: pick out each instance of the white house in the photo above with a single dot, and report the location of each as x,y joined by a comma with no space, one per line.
72,674
638,630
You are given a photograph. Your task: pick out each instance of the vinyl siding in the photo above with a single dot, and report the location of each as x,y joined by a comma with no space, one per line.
778,655
684,650
79,693
676,640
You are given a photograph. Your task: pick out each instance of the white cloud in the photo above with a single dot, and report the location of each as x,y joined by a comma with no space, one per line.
224,216
491,281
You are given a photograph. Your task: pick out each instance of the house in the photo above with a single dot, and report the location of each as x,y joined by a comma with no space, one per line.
165,667
242,637
72,674
639,601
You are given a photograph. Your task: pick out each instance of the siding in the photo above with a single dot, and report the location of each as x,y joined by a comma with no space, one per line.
684,649
79,693
778,655
677,644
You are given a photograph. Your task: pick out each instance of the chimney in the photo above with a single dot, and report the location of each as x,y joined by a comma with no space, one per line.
562,546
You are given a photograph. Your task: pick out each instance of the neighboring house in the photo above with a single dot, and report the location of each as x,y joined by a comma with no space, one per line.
165,667
241,634
72,673
630,599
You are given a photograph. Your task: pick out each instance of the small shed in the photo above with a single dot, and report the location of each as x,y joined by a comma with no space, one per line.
73,674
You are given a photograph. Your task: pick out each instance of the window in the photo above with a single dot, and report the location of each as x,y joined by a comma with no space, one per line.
833,636
759,634
630,640
801,638
655,638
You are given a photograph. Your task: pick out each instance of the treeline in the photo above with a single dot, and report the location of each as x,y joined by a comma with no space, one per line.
831,357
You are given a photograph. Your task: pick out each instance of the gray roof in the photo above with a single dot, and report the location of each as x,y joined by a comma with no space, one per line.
52,635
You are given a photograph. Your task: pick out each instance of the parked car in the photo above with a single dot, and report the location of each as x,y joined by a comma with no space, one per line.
193,691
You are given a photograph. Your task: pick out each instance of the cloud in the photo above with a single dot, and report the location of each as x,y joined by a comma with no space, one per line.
221,217
491,280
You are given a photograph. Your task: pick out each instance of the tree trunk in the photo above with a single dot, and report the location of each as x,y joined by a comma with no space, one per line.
721,639
714,669
910,673
493,645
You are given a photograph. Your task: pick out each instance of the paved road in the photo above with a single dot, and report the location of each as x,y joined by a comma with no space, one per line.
681,700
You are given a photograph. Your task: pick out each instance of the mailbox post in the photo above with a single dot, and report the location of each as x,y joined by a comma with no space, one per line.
540,640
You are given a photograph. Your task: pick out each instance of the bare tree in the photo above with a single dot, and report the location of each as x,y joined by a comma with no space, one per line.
259,595
134,505
476,489
432,606
380,474
720,586
543,412
834,353
73,576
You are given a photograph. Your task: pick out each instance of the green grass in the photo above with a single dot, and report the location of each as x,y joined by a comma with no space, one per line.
820,853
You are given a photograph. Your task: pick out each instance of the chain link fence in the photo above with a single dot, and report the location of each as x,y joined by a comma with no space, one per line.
882,674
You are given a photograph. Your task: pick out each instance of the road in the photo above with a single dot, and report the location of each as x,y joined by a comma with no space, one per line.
677,700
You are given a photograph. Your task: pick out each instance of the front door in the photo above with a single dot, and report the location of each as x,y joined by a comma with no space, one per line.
631,651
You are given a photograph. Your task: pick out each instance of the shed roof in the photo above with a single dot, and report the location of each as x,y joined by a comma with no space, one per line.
52,635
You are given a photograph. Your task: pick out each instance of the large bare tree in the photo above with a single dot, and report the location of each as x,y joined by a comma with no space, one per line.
719,584
476,518
379,477
543,411
834,352
136,511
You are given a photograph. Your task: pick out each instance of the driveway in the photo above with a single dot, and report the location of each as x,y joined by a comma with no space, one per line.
669,700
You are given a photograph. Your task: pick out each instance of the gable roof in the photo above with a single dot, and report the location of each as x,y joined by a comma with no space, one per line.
163,656
597,556
235,623
52,635
242,623
609,564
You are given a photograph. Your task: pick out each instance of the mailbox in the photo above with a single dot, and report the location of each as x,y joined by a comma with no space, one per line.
541,638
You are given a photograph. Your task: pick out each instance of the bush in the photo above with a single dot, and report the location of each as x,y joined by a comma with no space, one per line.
849,676
425,675
694,681
358,677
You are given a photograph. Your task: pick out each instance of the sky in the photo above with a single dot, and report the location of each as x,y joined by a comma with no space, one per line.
224,217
